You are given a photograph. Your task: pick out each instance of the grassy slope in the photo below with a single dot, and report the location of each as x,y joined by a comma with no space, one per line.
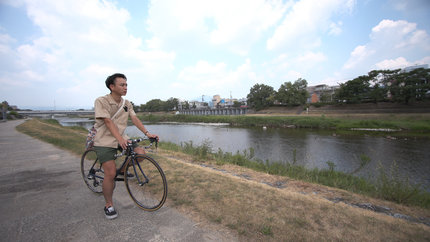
256,211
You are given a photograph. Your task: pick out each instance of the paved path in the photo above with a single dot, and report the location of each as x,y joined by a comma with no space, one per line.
43,198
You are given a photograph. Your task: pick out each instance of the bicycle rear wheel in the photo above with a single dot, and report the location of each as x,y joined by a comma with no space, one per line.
91,170
148,186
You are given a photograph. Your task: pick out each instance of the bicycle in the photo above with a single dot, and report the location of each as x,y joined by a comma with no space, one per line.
143,177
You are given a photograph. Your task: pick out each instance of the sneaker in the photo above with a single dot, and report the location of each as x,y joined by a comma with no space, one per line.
129,175
110,213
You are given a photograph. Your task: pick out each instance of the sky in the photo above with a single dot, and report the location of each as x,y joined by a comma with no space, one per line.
56,54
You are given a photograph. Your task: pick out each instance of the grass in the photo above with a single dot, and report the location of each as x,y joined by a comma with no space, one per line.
388,185
70,138
411,123
254,211
261,213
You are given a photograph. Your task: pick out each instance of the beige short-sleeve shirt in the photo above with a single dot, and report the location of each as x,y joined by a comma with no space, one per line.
106,107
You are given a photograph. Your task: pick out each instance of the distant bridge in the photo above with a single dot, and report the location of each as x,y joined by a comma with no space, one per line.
219,111
55,112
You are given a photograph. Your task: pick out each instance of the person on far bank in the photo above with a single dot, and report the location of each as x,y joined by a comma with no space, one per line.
111,116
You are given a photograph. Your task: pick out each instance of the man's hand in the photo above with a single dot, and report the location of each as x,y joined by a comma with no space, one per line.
123,143
152,136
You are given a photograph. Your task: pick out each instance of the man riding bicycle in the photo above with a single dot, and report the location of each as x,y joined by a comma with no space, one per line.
111,117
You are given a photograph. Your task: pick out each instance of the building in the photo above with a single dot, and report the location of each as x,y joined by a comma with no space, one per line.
318,92
411,68
198,105
217,101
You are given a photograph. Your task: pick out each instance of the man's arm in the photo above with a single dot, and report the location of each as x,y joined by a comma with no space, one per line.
136,121
115,132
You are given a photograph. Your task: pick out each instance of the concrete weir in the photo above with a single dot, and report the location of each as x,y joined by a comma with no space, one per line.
220,111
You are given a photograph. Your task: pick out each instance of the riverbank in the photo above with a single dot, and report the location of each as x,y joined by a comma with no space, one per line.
400,124
241,199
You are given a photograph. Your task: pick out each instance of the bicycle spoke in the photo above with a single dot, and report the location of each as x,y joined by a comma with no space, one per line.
91,171
148,187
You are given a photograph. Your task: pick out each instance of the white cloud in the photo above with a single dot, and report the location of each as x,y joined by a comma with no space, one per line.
215,77
235,25
399,62
305,22
311,58
335,28
389,40
293,75
359,54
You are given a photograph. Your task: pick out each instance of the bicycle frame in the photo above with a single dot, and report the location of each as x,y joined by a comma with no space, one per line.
130,154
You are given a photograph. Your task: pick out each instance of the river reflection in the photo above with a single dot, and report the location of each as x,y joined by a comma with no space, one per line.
310,148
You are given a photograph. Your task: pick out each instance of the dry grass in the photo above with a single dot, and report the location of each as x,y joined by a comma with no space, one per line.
260,212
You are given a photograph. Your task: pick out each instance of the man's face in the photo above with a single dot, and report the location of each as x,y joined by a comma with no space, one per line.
119,86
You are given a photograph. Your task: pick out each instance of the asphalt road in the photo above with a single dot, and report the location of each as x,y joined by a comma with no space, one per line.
43,198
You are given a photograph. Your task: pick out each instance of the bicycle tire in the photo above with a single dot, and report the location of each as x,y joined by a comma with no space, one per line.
91,171
148,186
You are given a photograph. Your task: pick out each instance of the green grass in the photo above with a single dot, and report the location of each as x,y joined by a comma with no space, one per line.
389,185
69,138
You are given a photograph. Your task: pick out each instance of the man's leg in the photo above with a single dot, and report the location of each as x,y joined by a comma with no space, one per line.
108,186
139,150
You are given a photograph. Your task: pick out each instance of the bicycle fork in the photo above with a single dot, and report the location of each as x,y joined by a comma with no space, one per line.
139,181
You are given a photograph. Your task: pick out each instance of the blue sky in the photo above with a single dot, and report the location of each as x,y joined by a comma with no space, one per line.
59,52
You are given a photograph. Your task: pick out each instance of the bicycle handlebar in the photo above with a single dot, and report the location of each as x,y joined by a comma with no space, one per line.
138,140
151,140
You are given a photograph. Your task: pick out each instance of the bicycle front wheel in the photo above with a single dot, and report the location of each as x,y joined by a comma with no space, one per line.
148,186
91,170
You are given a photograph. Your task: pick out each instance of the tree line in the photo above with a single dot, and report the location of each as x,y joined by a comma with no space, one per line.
377,86
157,105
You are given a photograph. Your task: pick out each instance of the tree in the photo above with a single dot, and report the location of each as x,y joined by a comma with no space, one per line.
186,105
237,104
293,94
326,96
260,96
155,105
354,91
381,80
172,104
410,86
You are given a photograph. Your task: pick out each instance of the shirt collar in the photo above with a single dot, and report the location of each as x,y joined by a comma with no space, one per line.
111,100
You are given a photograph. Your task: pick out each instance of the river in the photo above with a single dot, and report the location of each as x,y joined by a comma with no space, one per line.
310,148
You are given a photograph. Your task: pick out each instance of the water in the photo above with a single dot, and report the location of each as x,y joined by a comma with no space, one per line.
310,148
84,122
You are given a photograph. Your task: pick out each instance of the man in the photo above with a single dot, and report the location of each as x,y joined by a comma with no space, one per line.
111,114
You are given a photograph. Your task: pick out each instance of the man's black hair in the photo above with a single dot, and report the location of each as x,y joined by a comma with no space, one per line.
111,79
